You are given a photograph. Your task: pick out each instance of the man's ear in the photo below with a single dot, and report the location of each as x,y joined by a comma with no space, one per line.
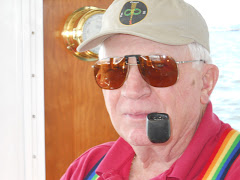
209,79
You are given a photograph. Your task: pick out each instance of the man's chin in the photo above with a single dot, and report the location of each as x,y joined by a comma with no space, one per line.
138,137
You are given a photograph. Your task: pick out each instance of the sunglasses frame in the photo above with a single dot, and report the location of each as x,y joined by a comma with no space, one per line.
138,63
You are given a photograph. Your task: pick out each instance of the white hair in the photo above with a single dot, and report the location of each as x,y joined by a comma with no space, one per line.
198,52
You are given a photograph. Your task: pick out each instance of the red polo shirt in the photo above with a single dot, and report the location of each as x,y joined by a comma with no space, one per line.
119,155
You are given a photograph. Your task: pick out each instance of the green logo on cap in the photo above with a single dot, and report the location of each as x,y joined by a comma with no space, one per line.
133,12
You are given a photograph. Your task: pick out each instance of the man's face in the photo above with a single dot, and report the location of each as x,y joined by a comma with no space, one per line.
129,105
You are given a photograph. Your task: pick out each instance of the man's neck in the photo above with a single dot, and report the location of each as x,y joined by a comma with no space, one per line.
154,159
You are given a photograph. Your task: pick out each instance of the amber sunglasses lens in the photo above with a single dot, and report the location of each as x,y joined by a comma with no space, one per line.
158,71
110,75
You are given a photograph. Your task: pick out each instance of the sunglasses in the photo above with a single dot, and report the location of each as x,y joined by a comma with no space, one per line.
156,70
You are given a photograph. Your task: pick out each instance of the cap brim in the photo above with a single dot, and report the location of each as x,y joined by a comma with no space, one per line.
98,39
92,42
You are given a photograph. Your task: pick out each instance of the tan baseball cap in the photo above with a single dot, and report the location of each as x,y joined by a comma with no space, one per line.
172,22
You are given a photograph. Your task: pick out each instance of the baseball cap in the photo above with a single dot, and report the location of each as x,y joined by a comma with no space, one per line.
172,22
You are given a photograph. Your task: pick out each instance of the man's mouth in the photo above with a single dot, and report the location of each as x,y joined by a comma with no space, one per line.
136,116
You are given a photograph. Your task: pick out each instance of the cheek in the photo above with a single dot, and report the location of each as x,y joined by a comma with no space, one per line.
189,83
189,94
111,98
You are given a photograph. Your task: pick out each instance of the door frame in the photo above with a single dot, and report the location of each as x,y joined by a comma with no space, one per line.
31,46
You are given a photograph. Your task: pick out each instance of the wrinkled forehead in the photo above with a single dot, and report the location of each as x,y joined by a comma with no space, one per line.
123,44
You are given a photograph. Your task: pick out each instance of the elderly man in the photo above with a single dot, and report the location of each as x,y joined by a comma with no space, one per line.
154,58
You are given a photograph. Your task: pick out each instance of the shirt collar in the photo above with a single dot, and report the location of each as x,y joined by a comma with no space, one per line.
120,155
118,158
208,127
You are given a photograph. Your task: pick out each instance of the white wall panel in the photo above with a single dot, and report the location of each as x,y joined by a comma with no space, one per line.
21,93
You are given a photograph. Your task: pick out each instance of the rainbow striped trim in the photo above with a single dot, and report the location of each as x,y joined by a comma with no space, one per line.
92,173
95,177
224,155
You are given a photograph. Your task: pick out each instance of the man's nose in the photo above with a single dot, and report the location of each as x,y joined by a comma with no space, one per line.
135,87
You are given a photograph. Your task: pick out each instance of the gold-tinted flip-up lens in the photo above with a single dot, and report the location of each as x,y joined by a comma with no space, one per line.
156,70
